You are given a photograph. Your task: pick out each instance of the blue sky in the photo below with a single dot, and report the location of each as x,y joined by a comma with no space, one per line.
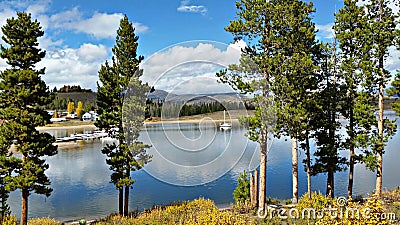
79,35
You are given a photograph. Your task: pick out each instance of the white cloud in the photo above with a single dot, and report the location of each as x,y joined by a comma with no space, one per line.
74,66
180,66
46,42
64,19
185,7
325,31
38,7
4,15
140,28
100,25
66,65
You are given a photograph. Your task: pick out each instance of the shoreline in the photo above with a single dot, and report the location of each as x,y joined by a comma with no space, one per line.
66,127
200,120
179,121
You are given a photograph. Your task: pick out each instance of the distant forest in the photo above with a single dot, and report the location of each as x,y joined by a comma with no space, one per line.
73,88
173,110
74,93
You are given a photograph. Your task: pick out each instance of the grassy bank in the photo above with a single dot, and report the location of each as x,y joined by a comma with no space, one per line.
70,123
204,212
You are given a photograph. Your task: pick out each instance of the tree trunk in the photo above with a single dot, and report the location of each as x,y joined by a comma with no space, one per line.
379,175
24,207
351,165
330,184
295,175
264,132
126,203
378,189
252,200
263,169
120,200
24,202
308,159
379,169
255,187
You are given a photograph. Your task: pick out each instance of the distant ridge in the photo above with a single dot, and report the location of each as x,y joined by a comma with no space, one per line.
162,96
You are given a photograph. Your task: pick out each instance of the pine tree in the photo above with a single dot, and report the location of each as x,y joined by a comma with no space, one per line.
258,64
279,59
119,92
296,82
382,35
357,105
324,123
22,94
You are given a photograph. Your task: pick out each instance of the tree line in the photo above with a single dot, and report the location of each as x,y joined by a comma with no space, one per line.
174,109
71,88
302,85
60,104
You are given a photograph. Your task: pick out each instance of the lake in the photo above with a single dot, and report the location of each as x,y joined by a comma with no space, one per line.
189,161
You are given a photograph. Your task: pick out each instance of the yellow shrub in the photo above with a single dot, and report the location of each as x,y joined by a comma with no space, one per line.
332,211
318,201
371,212
9,220
196,212
43,221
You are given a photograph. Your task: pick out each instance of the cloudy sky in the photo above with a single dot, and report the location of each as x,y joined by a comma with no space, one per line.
79,36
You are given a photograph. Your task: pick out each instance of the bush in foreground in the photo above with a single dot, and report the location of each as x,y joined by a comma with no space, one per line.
333,211
196,212
12,220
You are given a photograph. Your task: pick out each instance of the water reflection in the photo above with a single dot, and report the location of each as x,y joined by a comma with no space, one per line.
80,176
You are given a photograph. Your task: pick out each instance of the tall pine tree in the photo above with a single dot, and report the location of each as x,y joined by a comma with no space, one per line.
382,23
22,93
357,104
254,25
324,122
295,85
120,82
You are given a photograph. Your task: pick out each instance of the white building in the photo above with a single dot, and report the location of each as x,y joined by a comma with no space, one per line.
90,116
87,117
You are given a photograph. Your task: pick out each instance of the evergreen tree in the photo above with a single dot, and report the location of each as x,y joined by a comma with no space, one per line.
258,64
381,34
296,82
279,59
116,81
324,123
357,104
22,93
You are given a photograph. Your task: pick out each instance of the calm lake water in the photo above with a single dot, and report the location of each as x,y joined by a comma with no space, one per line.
189,161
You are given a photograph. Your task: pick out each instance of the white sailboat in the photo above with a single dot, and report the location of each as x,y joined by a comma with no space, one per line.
225,124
